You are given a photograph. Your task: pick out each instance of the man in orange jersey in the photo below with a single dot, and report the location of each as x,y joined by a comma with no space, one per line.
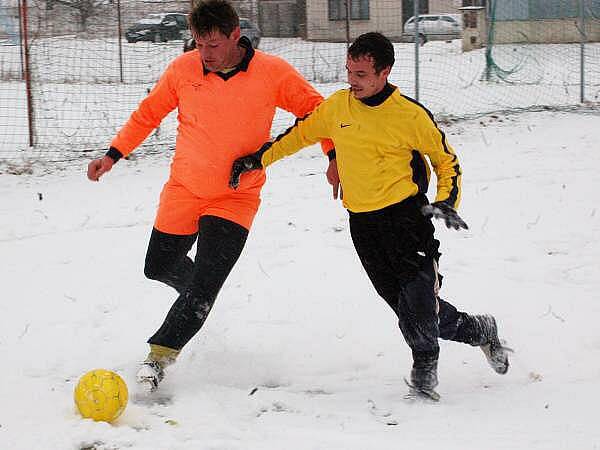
384,143
226,94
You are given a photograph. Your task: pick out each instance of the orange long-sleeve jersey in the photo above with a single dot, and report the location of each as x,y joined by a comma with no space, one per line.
220,118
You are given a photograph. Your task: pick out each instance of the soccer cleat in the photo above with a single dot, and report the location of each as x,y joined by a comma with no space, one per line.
152,370
415,393
495,353
150,374
423,380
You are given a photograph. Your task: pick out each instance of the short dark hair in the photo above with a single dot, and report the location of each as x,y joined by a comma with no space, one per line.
376,46
209,16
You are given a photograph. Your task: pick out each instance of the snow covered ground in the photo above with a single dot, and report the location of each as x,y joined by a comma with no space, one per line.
298,319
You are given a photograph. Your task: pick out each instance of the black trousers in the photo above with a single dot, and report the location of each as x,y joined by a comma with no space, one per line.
219,245
397,249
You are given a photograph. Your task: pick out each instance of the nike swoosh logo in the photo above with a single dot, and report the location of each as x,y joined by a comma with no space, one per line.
344,125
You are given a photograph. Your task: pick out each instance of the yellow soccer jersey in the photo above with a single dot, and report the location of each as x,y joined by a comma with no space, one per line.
380,150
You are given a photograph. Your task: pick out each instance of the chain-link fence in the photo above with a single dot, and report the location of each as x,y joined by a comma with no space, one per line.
71,71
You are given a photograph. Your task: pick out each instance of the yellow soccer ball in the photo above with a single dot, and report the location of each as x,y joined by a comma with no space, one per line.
101,395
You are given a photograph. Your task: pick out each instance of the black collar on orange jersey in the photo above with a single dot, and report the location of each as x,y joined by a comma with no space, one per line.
242,66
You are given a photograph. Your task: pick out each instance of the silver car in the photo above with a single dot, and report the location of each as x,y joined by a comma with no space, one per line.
247,28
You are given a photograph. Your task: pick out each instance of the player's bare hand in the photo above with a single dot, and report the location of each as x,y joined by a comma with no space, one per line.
333,178
99,167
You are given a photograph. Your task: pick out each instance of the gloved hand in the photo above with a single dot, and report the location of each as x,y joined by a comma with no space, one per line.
246,164
442,210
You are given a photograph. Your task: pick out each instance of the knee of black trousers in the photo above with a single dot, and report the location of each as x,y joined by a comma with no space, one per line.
153,271
419,294
165,255
417,313
157,266
165,274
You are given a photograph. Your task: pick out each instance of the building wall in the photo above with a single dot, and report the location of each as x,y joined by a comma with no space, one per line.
279,18
544,31
9,21
384,16
444,6
247,9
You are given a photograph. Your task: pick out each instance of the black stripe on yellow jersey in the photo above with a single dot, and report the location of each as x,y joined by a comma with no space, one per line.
454,191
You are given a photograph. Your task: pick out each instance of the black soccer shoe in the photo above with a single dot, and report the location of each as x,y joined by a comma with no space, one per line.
423,379
492,348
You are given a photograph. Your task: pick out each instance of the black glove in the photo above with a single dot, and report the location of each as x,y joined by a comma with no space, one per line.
442,210
246,164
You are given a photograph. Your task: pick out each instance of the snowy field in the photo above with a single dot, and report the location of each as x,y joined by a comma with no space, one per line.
79,101
298,320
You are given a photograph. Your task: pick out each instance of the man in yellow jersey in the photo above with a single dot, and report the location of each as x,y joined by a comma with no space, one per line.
382,139
226,94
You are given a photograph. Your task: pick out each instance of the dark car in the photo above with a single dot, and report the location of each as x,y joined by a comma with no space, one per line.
247,28
161,27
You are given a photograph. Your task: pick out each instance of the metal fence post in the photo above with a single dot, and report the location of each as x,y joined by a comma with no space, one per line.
27,71
417,43
583,37
21,50
120,31
490,24
347,6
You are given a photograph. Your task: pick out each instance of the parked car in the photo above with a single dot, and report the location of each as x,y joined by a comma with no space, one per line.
247,28
435,26
161,27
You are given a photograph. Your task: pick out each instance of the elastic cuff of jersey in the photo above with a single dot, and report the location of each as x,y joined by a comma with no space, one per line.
114,154
331,154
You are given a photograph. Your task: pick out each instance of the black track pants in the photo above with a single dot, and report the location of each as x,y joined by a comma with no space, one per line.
220,243
397,249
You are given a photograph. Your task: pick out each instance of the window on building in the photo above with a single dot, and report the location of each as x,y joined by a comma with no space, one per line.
473,2
545,9
359,9
470,19
181,20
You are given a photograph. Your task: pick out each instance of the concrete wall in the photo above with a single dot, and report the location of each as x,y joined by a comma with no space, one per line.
9,23
444,6
549,31
279,18
247,9
384,16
